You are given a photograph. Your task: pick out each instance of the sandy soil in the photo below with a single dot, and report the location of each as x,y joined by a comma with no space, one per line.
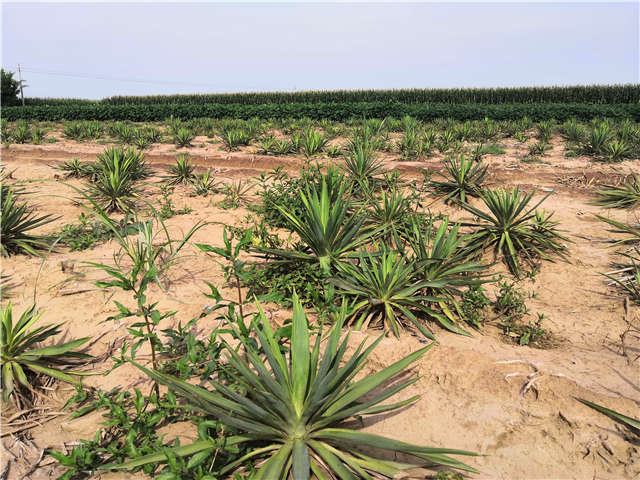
473,390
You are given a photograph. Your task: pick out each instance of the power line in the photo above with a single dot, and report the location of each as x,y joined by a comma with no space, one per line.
116,79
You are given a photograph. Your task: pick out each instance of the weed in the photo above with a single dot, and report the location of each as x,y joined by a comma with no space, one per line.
276,282
529,334
473,303
532,159
510,304
531,275
448,476
277,188
87,233
234,266
129,430
167,209
493,149
150,255
236,194
539,148
510,301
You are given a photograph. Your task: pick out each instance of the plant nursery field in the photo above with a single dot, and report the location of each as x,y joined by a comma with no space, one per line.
176,297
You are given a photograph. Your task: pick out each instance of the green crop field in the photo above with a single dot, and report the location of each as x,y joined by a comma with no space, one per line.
598,94
330,111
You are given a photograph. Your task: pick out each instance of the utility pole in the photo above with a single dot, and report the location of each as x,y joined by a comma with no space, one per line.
21,84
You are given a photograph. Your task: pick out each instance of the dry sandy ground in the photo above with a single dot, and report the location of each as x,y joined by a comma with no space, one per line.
472,390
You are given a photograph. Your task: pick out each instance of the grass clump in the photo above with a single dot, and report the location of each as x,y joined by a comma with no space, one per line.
114,182
312,142
362,168
236,194
204,183
441,258
292,415
391,213
387,293
626,275
632,423
182,172
624,195
183,138
23,360
18,221
233,136
74,168
463,178
326,230
513,230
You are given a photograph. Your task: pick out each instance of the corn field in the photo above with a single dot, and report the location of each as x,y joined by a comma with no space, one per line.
596,94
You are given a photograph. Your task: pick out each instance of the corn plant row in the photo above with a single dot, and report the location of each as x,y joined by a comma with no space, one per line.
600,94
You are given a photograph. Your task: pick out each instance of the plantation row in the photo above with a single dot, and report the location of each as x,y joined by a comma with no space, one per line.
604,139
366,254
329,111
599,94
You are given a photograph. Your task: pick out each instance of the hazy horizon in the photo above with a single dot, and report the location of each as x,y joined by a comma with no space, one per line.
100,50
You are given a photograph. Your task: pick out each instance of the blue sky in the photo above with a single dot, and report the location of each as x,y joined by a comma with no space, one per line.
98,50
